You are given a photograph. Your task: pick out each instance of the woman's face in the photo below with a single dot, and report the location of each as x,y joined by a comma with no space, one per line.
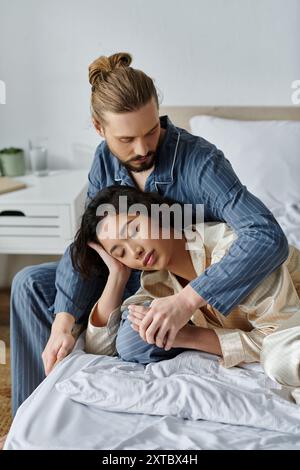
128,239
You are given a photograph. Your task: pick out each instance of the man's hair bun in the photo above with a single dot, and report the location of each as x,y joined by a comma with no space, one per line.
101,67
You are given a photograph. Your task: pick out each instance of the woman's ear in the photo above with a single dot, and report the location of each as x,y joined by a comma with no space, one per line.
98,127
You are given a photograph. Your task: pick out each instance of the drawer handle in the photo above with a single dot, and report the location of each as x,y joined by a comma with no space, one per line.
13,213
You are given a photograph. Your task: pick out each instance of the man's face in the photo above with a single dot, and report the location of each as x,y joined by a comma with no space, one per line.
133,137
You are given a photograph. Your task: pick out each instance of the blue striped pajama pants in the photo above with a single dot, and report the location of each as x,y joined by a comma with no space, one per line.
32,298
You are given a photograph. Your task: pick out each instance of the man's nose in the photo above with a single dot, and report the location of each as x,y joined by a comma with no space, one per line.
141,148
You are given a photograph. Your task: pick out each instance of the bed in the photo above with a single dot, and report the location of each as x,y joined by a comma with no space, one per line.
189,402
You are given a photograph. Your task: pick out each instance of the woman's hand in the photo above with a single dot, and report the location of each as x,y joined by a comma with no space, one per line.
115,267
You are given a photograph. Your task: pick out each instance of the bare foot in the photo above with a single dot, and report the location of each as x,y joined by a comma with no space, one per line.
2,441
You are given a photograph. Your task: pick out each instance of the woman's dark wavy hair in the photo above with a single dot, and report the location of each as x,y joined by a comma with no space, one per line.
84,259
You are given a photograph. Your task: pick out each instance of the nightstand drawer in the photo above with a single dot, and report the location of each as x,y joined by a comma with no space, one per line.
43,217
40,228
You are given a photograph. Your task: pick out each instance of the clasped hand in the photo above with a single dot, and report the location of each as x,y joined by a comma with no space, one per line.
160,323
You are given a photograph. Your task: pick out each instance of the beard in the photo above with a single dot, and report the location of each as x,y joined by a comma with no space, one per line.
136,166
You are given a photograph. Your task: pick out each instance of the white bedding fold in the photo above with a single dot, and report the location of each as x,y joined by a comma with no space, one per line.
192,386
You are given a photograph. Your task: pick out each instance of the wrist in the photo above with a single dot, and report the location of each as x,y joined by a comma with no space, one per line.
63,323
184,337
118,277
191,299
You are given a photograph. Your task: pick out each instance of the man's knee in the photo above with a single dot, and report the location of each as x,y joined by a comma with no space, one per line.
29,277
33,287
132,348
23,280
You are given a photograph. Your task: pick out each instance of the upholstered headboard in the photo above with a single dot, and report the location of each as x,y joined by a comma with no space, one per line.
180,115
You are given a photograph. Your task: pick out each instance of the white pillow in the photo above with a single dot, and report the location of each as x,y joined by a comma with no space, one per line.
264,154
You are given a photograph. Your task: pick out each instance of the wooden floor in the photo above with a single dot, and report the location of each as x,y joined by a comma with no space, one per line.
4,306
5,387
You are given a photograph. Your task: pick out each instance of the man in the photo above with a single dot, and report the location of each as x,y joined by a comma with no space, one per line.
142,149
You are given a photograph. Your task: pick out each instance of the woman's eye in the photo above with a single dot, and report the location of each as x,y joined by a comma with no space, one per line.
120,255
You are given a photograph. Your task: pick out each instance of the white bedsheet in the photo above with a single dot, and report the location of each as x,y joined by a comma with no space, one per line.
50,419
190,386
288,217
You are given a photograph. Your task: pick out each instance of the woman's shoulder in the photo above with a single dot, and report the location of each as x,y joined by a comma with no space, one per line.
209,234
209,228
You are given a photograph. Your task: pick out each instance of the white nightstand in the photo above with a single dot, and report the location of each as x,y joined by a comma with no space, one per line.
43,217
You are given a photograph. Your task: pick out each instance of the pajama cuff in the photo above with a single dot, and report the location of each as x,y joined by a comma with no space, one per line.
62,304
202,287
102,339
231,346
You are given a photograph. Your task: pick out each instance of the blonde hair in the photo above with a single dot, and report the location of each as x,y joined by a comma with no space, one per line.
117,87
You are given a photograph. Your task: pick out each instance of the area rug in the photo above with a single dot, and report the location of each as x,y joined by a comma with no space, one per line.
5,390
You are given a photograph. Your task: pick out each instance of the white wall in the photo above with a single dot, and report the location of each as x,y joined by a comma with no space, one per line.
200,52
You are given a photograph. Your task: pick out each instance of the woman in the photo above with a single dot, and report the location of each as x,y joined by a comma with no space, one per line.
264,327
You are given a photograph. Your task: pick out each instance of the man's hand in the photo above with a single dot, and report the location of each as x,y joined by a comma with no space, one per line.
61,341
182,337
160,323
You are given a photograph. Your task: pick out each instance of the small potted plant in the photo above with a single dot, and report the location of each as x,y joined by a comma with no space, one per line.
12,161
